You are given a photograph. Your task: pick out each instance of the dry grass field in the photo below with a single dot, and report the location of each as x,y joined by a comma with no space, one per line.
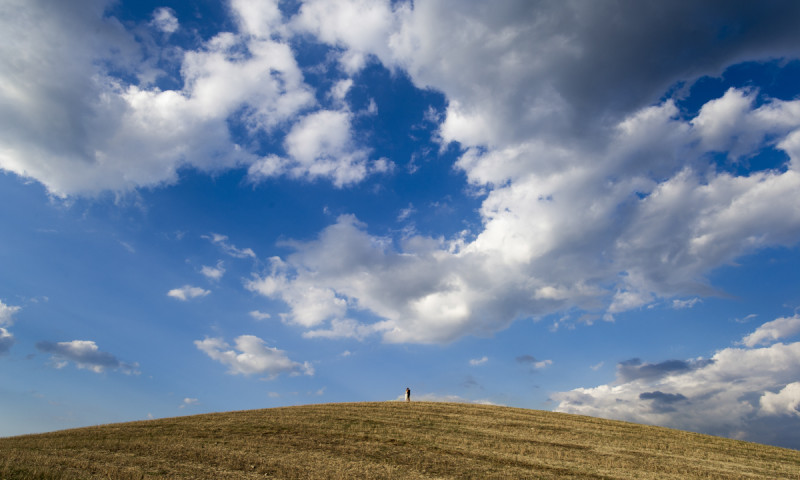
387,440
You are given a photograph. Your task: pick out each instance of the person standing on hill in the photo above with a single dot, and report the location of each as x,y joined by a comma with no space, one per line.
408,394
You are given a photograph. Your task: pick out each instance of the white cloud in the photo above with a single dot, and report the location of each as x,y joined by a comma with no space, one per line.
85,354
84,129
259,19
7,314
597,197
682,304
405,213
361,26
478,361
773,331
260,315
251,355
598,200
344,328
533,363
310,305
188,292
213,273
187,402
785,402
603,231
339,90
320,145
740,393
164,19
747,318
222,242
7,339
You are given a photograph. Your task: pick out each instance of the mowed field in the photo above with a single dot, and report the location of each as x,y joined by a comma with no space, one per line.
387,440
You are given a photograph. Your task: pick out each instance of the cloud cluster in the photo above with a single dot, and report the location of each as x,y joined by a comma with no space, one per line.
250,355
601,194
748,393
606,231
85,354
6,320
598,197
85,114
521,67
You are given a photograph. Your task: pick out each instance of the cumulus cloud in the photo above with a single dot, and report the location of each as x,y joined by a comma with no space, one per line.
320,145
516,68
600,196
100,123
784,402
773,331
85,354
746,393
564,227
250,355
6,320
188,292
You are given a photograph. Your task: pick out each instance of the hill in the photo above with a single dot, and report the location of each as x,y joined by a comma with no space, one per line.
387,440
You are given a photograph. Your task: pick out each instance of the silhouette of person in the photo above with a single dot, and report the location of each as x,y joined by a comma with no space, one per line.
408,394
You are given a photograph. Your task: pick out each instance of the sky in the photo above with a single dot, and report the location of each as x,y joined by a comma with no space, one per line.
584,207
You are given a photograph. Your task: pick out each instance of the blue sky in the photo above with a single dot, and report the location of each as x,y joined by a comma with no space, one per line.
584,207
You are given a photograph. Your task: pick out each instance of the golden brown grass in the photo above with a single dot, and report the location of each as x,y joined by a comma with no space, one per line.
388,440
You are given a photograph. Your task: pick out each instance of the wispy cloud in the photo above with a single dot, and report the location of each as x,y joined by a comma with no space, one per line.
85,354
405,213
444,398
222,242
478,361
682,304
533,362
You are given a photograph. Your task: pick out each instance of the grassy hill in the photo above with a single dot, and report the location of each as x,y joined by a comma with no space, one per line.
388,440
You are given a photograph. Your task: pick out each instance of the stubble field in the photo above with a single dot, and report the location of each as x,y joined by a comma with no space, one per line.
388,440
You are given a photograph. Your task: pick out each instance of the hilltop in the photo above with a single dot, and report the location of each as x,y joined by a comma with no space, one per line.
388,440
